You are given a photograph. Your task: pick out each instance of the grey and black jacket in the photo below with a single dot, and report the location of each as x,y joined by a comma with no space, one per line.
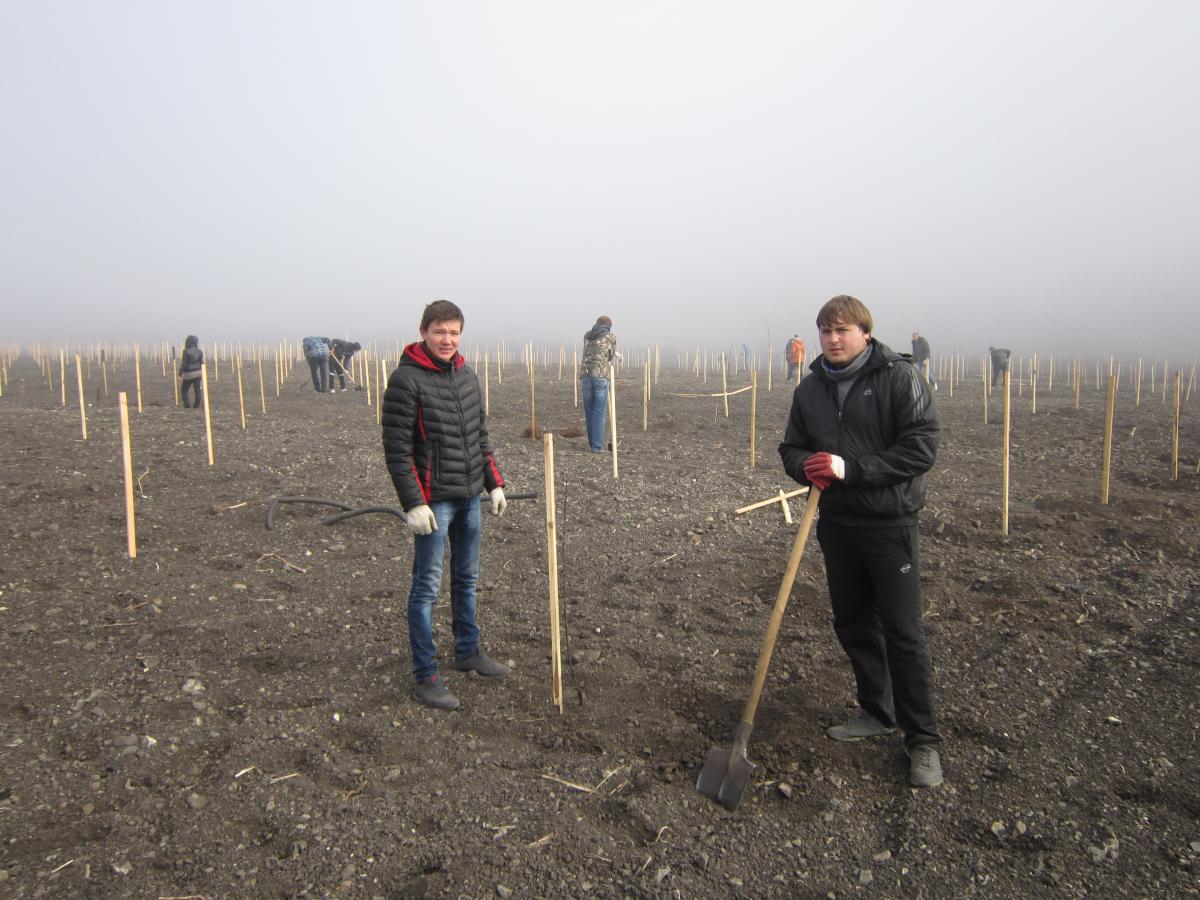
886,431
435,439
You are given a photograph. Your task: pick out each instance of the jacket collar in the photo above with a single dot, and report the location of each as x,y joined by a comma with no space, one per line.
419,356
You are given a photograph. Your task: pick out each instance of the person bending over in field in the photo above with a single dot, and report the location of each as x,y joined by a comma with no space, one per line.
340,353
436,446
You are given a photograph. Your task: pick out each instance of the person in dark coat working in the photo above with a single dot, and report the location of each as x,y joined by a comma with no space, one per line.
864,430
1000,359
340,354
436,446
191,363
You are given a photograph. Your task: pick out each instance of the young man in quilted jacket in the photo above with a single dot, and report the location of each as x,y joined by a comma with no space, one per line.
435,442
864,430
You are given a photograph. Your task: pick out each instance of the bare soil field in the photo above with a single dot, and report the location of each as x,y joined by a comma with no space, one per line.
228,714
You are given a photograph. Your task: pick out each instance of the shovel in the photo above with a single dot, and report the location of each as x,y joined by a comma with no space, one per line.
726,773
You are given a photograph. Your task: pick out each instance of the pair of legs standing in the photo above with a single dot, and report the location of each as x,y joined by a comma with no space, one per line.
595,409
874,586
319,367
193,385
458,521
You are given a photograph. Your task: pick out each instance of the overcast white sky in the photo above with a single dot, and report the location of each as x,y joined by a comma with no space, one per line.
1017,173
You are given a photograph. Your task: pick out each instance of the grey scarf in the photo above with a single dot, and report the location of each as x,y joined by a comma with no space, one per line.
845,376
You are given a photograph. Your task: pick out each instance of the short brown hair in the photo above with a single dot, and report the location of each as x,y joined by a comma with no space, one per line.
442,311
604,320
844,308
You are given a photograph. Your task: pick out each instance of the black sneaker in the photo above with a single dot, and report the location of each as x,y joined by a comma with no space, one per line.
864,725
432,691
483,664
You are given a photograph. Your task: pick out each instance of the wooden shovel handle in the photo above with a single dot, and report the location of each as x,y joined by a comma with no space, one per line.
781,601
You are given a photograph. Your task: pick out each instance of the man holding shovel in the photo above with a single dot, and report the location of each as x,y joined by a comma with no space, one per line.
865,432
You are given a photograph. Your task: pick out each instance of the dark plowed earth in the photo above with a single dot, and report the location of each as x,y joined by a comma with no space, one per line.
228,714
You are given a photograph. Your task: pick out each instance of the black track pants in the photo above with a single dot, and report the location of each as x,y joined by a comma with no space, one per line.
874,586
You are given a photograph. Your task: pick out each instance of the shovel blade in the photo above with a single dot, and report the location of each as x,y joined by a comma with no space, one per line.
725,777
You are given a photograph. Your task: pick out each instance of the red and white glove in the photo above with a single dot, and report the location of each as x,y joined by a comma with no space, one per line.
823,469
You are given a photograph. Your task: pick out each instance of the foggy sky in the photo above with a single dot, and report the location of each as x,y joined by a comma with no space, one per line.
1020,173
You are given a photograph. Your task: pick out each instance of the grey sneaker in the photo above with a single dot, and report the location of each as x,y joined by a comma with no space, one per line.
864,725
432,691
924,767
483,664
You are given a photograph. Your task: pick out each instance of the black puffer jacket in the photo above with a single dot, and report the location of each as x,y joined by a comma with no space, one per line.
886,431
435,439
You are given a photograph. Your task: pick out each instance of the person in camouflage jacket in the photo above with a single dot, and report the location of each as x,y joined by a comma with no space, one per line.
599,351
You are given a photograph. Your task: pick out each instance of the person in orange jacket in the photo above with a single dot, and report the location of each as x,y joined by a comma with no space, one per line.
795,355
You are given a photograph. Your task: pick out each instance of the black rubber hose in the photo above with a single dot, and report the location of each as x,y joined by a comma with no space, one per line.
350,513
275,501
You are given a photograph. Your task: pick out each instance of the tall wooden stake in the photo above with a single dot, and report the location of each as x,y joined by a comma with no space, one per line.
241,395
137,370
82,399
1004,453
207,413
262,388
612,414
1175,430
753,413
724,386
552,570
1106,462
127,469
532,397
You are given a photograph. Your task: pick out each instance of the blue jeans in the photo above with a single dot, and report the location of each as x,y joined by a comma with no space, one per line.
319,367
459,520
595,409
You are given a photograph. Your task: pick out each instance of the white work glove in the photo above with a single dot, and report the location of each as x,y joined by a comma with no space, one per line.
617,357
420,520
499,504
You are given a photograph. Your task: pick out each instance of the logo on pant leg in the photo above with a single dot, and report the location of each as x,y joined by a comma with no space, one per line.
906,568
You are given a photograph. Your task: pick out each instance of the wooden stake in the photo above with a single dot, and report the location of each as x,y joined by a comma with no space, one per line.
724,386
241,396
753,414
772,501
137,370
1078,382
207,414
646,396
575,375
532,397
1004,453
1175,430
612,414
552,570
787,510
262,389
1137,394
380,368
82,399
983,377
127,469
1033,380
62,371
487,387
1106,461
